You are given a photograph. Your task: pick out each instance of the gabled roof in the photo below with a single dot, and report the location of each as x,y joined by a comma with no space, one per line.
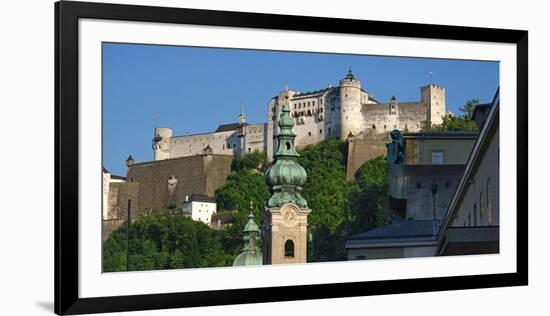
229,127
196,197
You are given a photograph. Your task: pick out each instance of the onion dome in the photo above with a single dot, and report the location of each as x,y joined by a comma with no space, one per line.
286,172
251,254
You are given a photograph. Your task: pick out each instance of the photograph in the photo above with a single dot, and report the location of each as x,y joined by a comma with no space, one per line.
229,157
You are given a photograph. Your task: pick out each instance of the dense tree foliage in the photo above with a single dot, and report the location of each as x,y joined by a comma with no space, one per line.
339,208
369,202
327,193
370,208
462,122
253,161
326,189
240,188
165,241
244,188
374,171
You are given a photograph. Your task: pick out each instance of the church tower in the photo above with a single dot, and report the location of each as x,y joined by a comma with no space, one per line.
286,211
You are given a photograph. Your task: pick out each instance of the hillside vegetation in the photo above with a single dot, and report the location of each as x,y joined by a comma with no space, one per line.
169,240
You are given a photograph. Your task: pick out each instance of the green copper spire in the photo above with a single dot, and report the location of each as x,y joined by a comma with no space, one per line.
251,254
286,177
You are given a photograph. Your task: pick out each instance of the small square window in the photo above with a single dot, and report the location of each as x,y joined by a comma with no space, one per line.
437,158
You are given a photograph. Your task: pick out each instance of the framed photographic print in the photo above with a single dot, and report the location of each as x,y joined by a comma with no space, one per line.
210,158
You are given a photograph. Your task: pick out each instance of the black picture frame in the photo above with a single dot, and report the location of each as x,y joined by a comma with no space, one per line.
67,15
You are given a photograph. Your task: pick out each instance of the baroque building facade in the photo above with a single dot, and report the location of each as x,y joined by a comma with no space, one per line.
334,112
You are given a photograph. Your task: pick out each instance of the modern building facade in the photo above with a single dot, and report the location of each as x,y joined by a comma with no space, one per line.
471,226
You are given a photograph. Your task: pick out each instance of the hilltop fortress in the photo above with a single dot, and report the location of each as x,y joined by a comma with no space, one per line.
188,165
342,112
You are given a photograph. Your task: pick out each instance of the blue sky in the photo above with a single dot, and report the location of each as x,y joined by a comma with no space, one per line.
196,89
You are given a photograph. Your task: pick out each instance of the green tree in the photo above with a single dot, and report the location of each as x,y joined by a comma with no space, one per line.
165,241
240,188
326,189
374,171
327,193
369,203
255,160
245,184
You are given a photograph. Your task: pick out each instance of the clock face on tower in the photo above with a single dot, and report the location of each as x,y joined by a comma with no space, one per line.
289,214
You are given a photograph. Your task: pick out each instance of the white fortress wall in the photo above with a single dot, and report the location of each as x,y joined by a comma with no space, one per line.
411,115
254,138
377,117
190,145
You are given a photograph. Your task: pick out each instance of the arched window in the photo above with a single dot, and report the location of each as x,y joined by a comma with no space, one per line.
489,202
289,249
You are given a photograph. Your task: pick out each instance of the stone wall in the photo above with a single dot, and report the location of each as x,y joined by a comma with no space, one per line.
408,116
222,143
364,148
253,138
157,185
419,182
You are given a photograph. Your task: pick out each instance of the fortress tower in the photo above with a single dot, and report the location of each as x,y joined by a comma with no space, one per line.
350,108
161,143
434,98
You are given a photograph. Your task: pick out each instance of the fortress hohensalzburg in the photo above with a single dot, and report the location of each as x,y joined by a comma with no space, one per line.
334,112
